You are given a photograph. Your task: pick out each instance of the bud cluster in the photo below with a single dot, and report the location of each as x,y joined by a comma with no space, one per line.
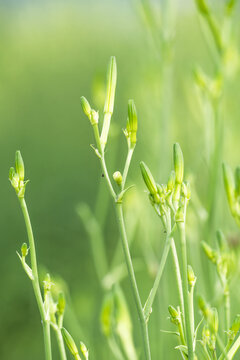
232,188
16,176
173,195
210,315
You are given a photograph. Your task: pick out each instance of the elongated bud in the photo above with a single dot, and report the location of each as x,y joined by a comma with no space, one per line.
211,254
47,284
86,107
24,250
94,117
204,307
202,6
221,240
214,320
19,165
148,178
174,315
179,216
132,123
111,86
191,276
171,181
236,325
69,342
178,163
11,173
84,350
237,180
61,304
117,177
229,185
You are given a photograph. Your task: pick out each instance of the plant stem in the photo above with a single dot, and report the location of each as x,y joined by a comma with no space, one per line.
126,167
35,281
132,278
227,308
234,349
104,168
188,327
60,342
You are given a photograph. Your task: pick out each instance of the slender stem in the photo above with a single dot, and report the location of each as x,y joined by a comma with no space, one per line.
103,164
60,342
191,308
227,308
189,335
233,349
132,278
206,352
35,281
126,167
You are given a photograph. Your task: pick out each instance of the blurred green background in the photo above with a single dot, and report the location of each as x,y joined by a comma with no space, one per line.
51,53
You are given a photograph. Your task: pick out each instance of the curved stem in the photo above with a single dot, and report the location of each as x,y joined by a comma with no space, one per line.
35,281
126,167
61,346
104,168
189,335
132,278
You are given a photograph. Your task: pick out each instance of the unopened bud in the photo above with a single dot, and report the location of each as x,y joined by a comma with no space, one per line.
214,322
86,107
174,315
204,307
132,123
191,276
117,177
171,181
94,117
148,178
221,240
19,165
84,350
24,249
61,303
47,284
111,86
229,185
211,254
178,163
69,342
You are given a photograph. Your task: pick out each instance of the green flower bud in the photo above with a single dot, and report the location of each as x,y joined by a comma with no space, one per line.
24,250
229,185
178,163
211,254
148,178
214,322
86,107
171,181
14,179
61,304
221,240
19,165
84,350
47,284
69,342
202,6
94,117
111,86
11,173
117,177
191,276
174,315
132,123
237,180
204,307
179,216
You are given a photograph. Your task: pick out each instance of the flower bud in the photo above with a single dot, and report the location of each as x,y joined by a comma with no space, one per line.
211,254
191,276
61,304
19,165
171,181
178,163
229,185
132,123
86,107
47,284
117,177
111,86
69,342
84,350
214,322
94,117
221,240
148,178
174,315
204,307
24,250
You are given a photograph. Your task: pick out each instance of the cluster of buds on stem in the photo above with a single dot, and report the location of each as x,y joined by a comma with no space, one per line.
16,176
22,257
172,196
232,187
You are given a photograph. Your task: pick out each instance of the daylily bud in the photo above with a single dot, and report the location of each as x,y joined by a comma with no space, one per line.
86,107
132,123
84,350
148,178
24,249
61,303
69,342
117,177
171,181
178,163
94,117
111,86
229,185
191,276
174,315
19,165
211,254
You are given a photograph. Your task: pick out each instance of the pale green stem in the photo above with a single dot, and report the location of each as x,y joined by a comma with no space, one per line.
224,354
104,168
35,281
189,335
126,167
191,308
233,349
60,342
227,308
97,138
105,129
206,352
132,278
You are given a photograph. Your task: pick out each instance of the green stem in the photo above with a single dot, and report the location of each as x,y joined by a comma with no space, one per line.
227,308
35,281
189,335
104,168
126,167
132,278
233,349
191,308
60,342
